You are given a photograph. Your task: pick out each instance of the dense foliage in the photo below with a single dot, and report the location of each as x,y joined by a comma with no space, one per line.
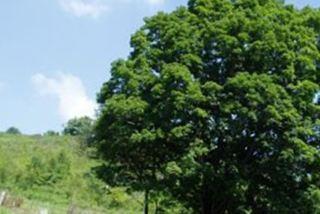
82,128
216,107
13,130
78,127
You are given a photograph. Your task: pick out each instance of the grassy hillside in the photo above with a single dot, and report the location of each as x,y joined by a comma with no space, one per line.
55,173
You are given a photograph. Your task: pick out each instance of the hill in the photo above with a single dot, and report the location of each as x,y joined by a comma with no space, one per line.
54,173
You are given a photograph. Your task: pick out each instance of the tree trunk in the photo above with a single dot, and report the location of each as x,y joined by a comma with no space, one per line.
146,202
157,207
206,207
206,201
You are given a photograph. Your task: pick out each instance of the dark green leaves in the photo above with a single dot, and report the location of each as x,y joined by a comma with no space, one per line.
216,106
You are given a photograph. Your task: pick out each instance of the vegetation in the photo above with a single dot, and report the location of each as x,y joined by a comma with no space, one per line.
51,133
80,127
215,108
55,173
13,130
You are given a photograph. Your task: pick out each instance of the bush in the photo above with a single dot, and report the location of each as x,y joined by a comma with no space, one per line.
13,131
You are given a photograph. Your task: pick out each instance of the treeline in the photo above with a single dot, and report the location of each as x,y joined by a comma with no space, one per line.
79,126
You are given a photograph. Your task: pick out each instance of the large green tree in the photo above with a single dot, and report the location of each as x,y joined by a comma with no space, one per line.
216,106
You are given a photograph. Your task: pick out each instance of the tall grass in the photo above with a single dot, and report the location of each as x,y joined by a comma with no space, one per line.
54,172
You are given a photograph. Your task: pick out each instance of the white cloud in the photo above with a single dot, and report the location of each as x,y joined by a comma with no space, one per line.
80,8
96,8
71,93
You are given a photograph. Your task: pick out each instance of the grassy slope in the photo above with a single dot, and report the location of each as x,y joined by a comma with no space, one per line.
54,173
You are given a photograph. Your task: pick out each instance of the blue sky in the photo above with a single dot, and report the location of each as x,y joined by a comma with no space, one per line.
55,54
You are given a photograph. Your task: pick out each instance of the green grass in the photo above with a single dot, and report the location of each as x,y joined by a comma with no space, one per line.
5,211
54,172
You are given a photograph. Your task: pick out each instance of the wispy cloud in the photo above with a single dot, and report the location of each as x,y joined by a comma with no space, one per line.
84,8
71,94
96,8
155,2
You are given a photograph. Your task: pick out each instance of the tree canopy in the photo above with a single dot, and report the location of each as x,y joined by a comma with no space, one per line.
13,131
79,126
215,105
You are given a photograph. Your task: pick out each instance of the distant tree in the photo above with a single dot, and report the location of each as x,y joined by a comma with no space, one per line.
215,106
13,131
82,127
78,126
51,133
